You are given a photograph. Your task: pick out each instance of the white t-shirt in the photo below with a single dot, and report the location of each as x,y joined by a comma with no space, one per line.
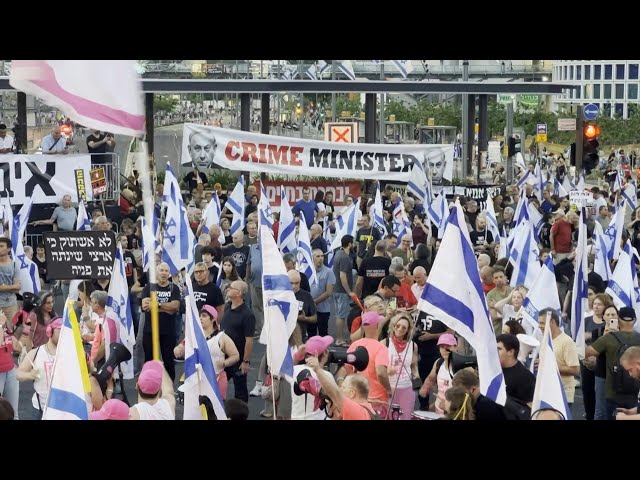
302,405
161,410
6,142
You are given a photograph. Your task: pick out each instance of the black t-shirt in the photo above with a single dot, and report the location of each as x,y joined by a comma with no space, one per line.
545,235
167,322
427,323
304,282
100,148
129,265
373,270
239,323
240,256
478,238
365,235
42,268
208,294
420,262
520,382
306,305
487,409
192,182
472,217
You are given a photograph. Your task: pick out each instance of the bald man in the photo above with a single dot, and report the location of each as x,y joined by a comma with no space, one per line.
420,279
317,240
307,313
484,260
239,252
54,144
168,306
239,323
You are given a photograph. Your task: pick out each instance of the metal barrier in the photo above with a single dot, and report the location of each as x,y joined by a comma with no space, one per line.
111,164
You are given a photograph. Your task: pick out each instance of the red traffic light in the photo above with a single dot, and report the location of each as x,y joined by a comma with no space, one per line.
591,131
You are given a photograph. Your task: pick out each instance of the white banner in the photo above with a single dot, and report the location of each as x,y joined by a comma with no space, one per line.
46,178
255,152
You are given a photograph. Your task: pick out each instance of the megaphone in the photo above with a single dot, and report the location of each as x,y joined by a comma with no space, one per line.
527,345
118,353
459,362
359,358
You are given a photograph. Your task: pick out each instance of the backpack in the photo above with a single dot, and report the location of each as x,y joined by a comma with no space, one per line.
515,409
622,382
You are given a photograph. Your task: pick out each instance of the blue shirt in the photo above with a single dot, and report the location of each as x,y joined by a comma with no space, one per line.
255,261
48,141
308,208
325,276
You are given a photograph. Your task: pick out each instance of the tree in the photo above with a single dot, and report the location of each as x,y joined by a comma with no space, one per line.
164,103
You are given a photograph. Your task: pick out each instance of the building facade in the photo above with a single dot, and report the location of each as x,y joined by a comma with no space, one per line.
610,84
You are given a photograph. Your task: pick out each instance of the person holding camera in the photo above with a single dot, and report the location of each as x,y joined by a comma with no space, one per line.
349,401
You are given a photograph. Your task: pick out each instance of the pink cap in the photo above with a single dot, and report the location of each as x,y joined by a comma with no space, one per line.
371,318
113,409
52,325
447,339
150,379
211,311
318,345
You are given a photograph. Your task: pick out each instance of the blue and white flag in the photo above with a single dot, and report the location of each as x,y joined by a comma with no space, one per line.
69,392
579,292
405,67
617,183
601,263
549,392
621,284
178,242
280,307
200,380
28,274
613,234
454,295
524,179
305,255
524,255
265,215
287,230
82,223
542,294
558,188
540,184
322,68
119,310
235,204
567,185
630,194
400,222
347,68
492,221
418,183
346,224
581,183
149,239
377,214
438,213
326,233
212,215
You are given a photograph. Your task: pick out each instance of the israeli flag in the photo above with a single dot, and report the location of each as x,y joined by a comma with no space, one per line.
28,274
212,215
377,214
346,224
630,194
149,240
305,255
613,234
524,255
326,233
581,183
567,185
280,307
405,67
287,230
347,68
200,380
69,391
438,212
542,294
119,310
82,223
178,242
401,224
235,204
492,221
558,188
549,392
601,263
454,295
524,179
266,216
579,292
418,183
621,283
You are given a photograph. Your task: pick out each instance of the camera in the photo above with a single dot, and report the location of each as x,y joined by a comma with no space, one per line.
30,301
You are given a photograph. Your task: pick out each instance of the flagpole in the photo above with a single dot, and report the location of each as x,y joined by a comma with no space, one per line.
148,218
270,364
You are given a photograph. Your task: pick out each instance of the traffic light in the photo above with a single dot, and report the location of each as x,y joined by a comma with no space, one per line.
590,147
514,145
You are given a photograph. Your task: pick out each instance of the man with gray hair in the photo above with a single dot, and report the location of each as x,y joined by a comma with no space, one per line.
202,148
507,220
484,260
63,217
372,270
169,300
321,292
203,240
102,224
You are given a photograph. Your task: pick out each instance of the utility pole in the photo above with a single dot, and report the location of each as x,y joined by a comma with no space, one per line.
465,121
506,142
333,95
579,140
382,124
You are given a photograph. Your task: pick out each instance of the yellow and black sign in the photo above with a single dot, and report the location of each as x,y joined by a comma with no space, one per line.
98,181
80,186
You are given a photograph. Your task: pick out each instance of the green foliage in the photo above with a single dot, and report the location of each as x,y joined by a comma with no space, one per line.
443,114
164,103
226,178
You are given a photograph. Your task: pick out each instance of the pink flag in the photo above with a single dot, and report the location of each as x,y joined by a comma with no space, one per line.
100,94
